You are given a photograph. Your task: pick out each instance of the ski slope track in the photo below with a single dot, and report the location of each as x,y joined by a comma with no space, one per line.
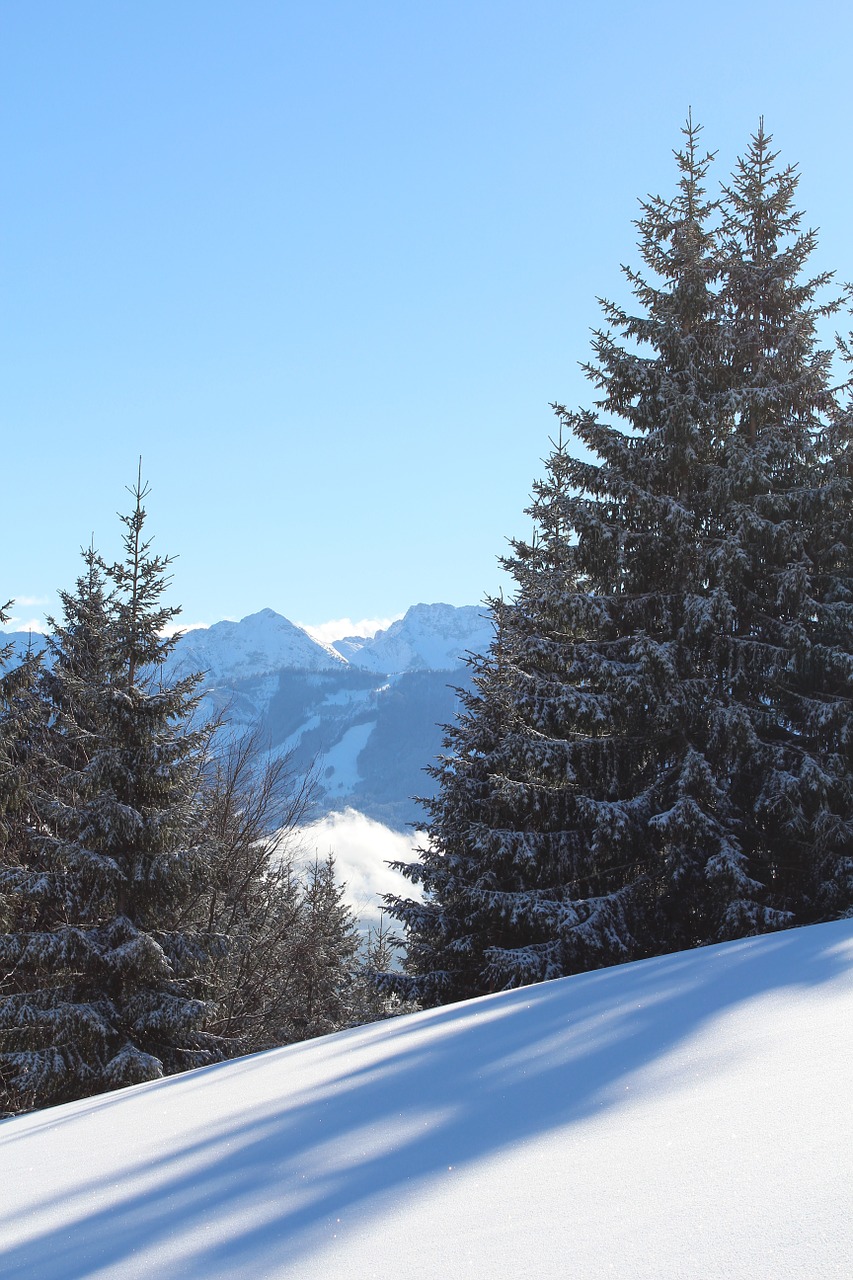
689,1116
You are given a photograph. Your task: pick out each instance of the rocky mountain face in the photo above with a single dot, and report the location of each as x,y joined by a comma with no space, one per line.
367,712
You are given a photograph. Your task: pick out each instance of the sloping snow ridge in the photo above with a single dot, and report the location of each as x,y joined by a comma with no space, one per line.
685,1117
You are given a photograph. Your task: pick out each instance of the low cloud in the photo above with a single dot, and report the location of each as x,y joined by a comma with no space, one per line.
36,625
31,602
174,627
337,628
362,848
19,621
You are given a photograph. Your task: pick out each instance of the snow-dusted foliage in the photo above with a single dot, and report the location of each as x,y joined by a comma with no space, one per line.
19,721
780,556
18,716
101,981
287,970
656,753
154,910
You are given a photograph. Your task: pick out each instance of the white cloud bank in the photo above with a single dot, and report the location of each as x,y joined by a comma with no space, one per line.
32,602
337,628
37,625
19,622
362,848
173,628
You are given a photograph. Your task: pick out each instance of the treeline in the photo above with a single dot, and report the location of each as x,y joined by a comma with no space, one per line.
658,750
150,920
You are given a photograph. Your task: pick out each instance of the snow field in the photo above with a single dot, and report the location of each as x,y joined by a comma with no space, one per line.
683,1117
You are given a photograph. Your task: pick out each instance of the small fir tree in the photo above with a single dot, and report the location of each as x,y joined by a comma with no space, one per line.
104,980
377,968
326,958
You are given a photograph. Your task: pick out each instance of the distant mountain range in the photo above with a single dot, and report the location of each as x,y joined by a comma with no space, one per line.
368,711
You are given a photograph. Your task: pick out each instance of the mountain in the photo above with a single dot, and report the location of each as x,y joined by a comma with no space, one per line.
683,1118
367,713
261,643
431,637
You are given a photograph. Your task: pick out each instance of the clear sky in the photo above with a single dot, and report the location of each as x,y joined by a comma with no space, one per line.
325,264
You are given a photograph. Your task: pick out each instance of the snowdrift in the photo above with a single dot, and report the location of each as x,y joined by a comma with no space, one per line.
689,1116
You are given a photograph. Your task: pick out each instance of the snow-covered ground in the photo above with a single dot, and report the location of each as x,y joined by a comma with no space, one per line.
683,1117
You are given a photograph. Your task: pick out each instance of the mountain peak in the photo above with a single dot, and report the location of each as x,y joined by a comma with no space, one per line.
258,644
429,637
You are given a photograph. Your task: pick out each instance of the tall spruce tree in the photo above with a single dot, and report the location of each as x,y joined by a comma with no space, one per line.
102,981
615,785
20,723
15,680
783,557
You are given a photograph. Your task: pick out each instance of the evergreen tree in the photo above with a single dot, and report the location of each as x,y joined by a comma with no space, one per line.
20,720
15,714
783,556
628,775
376,973
325,959
103,982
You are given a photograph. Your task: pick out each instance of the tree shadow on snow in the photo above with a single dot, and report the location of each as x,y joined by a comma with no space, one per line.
446,1088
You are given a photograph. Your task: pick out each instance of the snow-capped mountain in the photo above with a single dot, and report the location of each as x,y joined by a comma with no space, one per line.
367,712
431,637
261,643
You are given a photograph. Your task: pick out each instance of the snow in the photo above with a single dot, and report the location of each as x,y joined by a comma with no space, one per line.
433,637
363,848
255,645
344,629
679,1118
339,766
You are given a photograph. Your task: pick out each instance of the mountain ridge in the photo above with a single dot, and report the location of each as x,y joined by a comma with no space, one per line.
368,720
429,637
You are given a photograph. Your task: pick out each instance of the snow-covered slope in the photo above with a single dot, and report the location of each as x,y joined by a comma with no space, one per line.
687,1117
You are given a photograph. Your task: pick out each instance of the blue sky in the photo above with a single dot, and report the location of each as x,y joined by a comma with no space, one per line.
324,266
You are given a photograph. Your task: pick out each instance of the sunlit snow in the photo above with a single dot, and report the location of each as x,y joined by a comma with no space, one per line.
682,1117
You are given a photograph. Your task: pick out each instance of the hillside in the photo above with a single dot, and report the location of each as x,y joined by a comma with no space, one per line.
686,1117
